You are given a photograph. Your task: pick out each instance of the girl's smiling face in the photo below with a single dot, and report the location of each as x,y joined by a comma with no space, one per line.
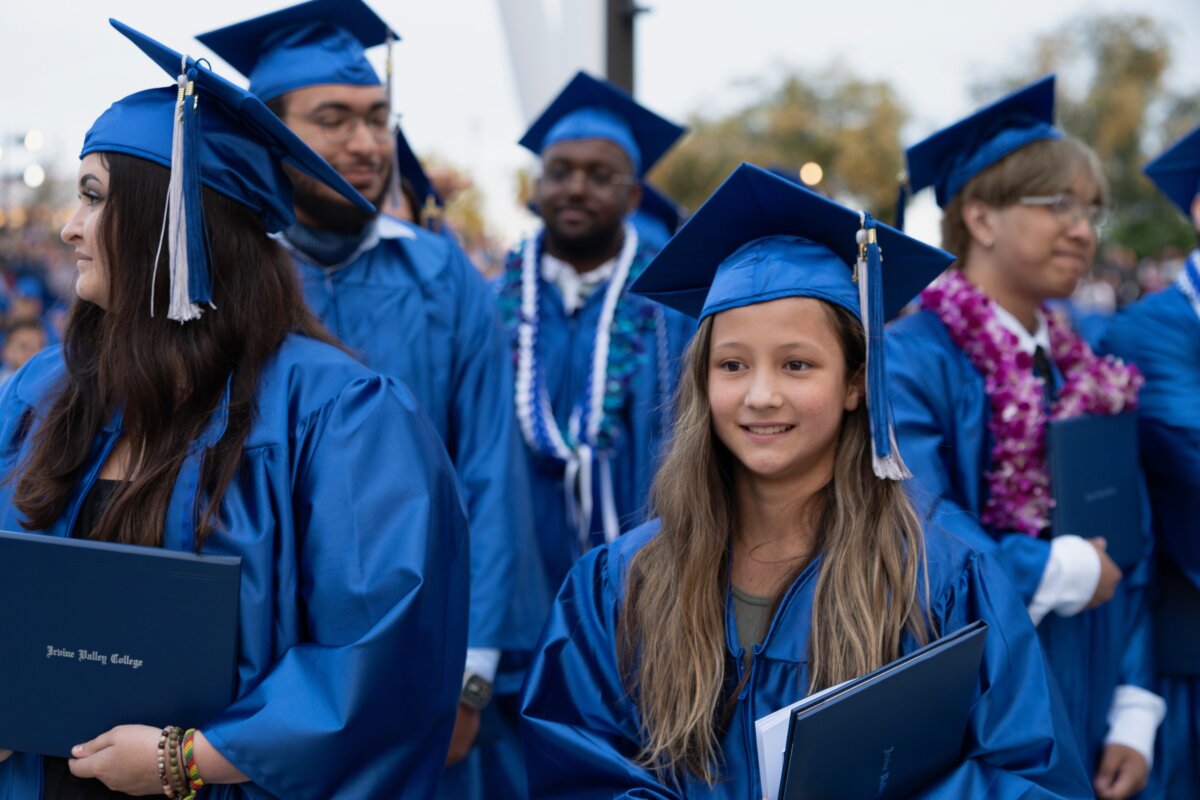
778,389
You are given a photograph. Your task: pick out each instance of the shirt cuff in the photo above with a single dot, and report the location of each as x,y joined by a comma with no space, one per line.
1069,580
482,661
1133,719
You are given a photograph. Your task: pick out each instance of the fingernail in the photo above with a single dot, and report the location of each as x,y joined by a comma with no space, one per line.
77,748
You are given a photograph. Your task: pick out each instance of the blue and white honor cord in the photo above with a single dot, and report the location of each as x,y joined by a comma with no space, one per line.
541,430
1189,280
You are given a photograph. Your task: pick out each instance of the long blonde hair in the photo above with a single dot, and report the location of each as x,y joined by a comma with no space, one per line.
671,640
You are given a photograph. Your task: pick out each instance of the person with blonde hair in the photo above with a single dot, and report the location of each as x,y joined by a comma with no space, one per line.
980,372
785,556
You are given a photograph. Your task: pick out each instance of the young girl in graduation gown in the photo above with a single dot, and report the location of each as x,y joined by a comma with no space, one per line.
780,561
976,373
226,422
1161,334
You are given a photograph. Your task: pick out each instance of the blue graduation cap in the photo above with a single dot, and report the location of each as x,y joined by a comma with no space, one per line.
321,41
207,131
1176,172
950,158
429,203
658,217
589,108
761,237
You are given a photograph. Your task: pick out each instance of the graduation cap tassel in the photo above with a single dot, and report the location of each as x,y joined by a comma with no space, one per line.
886,458
199,279
395,192
180,307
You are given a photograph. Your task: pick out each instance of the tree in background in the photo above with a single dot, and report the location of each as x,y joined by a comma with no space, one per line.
848,126
1111,95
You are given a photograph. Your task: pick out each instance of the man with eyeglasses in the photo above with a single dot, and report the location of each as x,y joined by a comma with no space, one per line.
410,304
982,376
596,365
1161,334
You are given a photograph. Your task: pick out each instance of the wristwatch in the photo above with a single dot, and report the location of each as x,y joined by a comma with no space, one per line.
476,691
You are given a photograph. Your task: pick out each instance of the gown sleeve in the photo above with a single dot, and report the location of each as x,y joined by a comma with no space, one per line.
488,454
929,415
1163,340
1018,742
364,706
578,725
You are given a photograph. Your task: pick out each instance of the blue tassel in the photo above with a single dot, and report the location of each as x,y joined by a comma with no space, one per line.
901,202
885,461
199,274
876,374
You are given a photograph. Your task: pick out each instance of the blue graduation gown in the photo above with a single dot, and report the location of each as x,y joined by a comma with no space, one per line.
581,729
941,414
1161,334
564,353
411,306
352,620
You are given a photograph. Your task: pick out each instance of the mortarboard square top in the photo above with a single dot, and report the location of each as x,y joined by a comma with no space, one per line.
1177,172
241,144
313,43
950,158
761,237
589,108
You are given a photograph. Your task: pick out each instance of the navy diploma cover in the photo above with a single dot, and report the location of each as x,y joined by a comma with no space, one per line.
1094,475
890,732
94,635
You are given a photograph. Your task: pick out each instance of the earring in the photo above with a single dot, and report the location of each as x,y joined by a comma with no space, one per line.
987,244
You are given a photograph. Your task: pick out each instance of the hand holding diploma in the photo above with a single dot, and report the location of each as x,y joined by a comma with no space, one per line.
125,760
1110,574
1123,773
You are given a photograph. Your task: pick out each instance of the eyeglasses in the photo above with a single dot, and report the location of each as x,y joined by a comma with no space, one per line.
1070,209
595,178
339,127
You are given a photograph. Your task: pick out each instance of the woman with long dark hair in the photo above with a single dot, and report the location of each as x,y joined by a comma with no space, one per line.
980,372
202,408
786,557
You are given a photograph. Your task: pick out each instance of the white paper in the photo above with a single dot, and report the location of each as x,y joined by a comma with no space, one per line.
771,733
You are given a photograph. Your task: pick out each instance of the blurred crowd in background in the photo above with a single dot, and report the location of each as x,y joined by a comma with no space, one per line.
839,132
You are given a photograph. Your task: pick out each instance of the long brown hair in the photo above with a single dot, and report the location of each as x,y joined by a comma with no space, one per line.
166,379
671,641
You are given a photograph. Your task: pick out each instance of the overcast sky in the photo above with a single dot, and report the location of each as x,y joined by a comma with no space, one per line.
61,65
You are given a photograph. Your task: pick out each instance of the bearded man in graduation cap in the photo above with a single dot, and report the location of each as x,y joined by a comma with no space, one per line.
596,366
406,301
1161,334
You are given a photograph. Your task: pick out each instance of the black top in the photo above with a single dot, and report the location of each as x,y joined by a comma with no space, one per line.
58,783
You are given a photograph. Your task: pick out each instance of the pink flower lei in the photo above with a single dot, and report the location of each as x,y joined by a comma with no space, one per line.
1019,487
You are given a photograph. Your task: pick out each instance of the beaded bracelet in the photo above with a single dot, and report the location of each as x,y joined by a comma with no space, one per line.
178,779
194,781
164,738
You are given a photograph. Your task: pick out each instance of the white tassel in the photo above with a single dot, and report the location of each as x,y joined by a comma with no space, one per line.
180,309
